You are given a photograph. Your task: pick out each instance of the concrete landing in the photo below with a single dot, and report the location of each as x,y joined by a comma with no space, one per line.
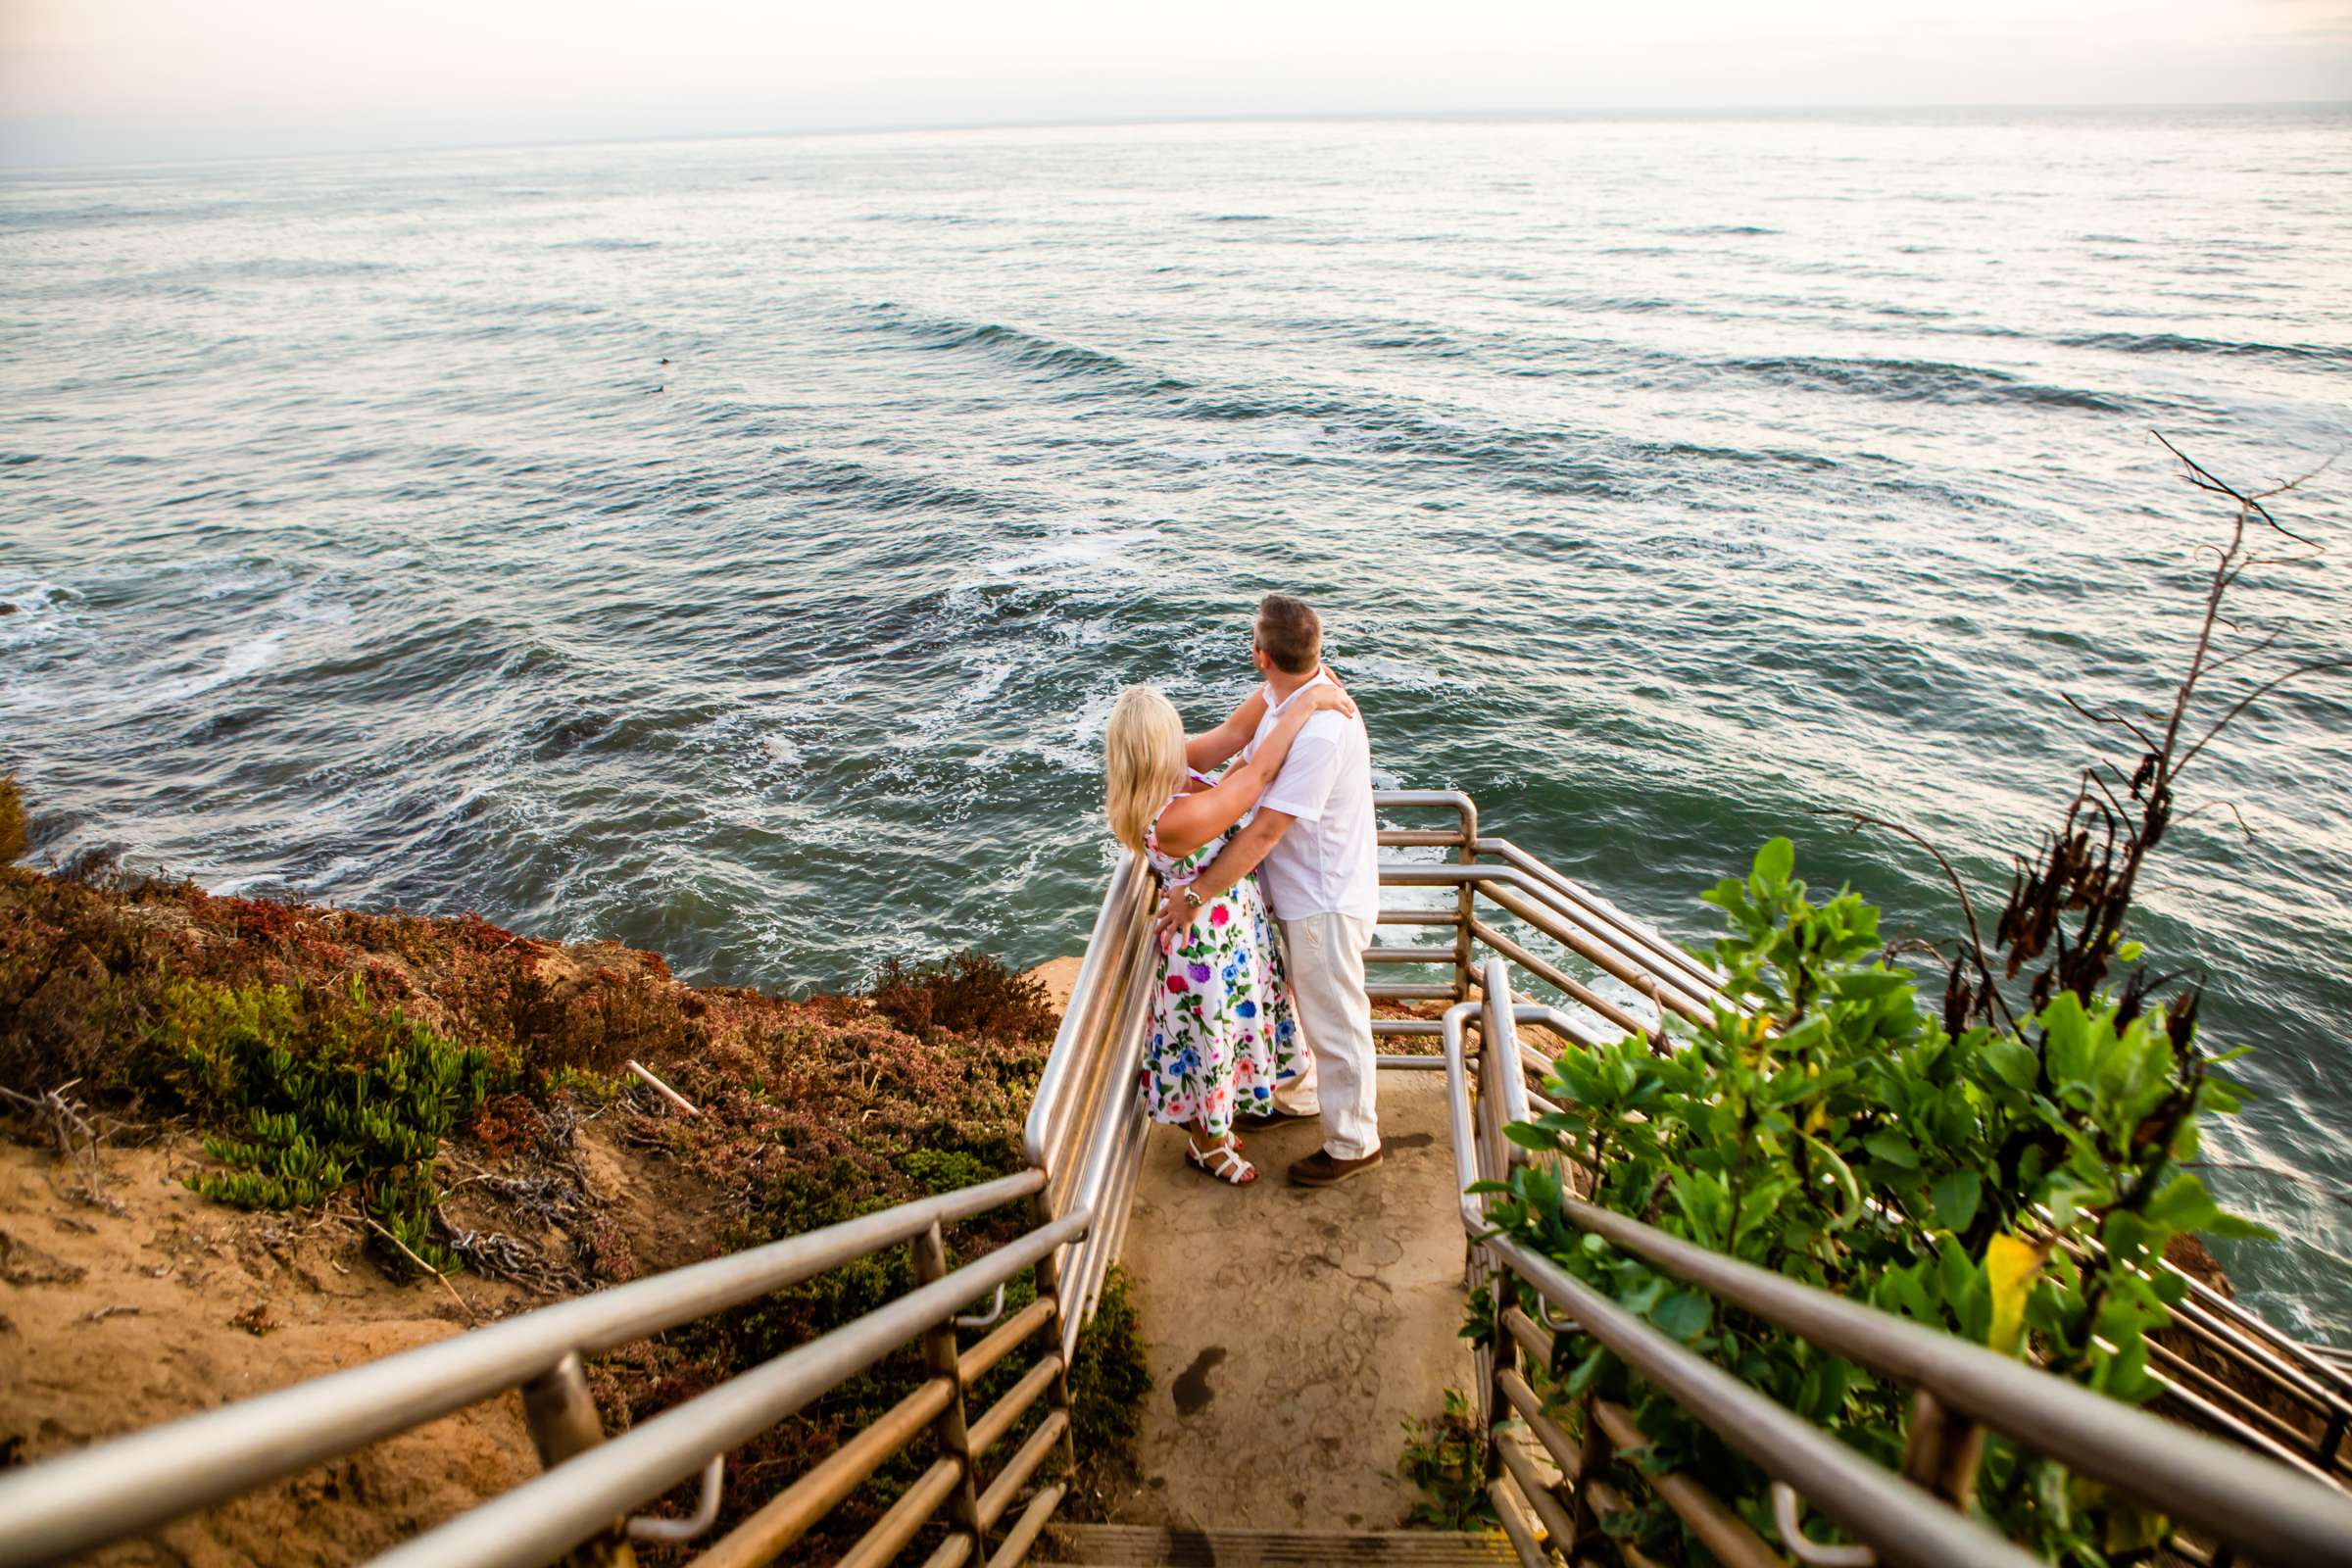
1291,1331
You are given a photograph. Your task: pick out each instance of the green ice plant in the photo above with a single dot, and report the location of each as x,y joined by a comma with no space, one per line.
2010,1168
326,1092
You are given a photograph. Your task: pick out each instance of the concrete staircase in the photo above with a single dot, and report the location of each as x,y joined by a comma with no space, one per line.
1160,1547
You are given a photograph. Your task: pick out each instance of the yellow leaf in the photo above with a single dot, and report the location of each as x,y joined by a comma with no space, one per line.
2011,1267
2130,1529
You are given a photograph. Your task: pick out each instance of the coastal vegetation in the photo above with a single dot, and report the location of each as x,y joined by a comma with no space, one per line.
431,1087
2011,1166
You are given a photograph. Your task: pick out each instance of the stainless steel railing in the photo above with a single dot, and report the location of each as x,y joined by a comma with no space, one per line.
1085,1125
1083,1142
2241,1501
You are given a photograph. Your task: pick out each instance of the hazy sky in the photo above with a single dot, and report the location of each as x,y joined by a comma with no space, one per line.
105,79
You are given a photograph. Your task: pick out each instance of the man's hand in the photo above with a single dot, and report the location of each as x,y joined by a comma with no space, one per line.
1175,917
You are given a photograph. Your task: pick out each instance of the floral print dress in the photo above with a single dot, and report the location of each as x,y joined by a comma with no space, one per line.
1223,1033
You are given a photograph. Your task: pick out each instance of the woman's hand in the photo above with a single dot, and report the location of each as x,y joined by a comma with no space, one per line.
1330,698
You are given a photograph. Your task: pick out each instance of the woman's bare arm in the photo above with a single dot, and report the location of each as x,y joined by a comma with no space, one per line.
1195,819
1214,748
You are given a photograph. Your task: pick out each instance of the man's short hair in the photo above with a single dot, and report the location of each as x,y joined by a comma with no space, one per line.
1290,634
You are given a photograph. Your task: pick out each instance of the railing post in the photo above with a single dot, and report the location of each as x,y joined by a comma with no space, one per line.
1465,905
562,1415
940,1356
1942,1451
1593,1454
1505,1359
1048,1286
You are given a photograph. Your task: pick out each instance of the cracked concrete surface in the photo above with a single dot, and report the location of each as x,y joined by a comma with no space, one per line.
1292,1330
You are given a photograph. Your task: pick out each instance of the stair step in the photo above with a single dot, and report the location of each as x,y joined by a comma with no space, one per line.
1156,1546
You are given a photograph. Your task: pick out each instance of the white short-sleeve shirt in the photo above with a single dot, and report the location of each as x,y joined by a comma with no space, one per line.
1329,861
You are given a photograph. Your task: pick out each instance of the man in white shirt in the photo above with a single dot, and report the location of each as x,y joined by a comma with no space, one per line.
1312,838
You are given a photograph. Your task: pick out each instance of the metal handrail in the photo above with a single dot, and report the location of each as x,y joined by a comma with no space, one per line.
1106,949
83,1499
2259,1506
548,1516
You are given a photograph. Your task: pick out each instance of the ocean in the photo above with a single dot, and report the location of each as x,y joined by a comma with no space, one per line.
734,547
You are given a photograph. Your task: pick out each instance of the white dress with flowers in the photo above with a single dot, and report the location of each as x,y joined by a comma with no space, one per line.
1223,1033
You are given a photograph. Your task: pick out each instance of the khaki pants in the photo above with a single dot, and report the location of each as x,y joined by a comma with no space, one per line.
1324,955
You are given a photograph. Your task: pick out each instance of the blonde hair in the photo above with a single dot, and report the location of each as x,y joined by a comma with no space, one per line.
1143,761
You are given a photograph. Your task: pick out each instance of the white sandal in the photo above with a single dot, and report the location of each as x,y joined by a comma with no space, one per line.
1229,1167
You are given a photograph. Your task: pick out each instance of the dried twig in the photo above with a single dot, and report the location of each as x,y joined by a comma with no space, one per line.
2209,805
370,1222
1968,910
65,1121
663,1089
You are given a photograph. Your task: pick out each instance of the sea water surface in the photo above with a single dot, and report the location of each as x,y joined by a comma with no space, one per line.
734,547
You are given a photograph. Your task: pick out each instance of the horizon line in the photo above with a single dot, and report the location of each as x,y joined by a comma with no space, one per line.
1092,122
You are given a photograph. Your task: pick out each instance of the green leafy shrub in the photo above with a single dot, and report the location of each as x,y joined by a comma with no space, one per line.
1839,1134
324,1092
1446,1458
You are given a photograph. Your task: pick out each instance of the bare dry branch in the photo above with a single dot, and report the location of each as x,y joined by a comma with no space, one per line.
2243,703
2243,653
2116,719
2203,478
1968,910
2198,810
65,1121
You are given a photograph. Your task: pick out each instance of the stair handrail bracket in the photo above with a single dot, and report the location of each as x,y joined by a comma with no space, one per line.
2240,1498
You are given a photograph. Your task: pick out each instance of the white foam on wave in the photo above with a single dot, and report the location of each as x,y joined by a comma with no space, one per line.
1403,672
1078,749
102,694
39,612
1075,553
249,657
245,580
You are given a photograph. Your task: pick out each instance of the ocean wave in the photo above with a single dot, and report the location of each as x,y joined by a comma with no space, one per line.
1532,460
244,580
606,243
35,611
1404,674
245,656
2178,343
1012,345
872,490
1772,456
1921,381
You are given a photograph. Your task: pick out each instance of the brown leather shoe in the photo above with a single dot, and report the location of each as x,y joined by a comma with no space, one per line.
1320,1169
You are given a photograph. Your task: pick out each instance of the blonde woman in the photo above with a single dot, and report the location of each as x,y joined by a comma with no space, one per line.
1222,1030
